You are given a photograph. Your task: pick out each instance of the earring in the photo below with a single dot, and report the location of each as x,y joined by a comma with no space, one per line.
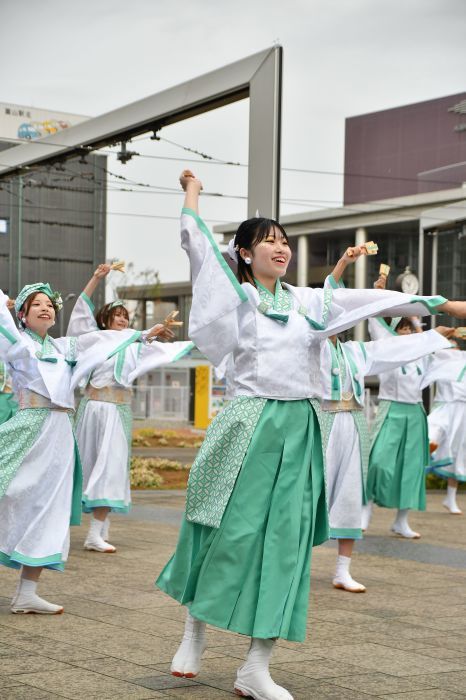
248,261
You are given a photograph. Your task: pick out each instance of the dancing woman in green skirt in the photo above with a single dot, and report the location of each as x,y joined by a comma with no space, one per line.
256,496
400,443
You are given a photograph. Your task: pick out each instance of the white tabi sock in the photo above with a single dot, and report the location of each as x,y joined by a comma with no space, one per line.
343,578
253,678
94,540
187,660
366,515
26,600
450,501
105,529
401,525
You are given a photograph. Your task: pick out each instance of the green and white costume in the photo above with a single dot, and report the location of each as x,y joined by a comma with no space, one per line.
8,405
104,418
256,501
40,471
347,442
447,420
400,445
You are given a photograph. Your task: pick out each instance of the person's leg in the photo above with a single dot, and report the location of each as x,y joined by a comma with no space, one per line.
187,660
450,500
94,540
401,525
26,599
343,578
253,678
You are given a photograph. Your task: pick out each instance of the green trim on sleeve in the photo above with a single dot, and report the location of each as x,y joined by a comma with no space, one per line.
184,352
430,303
9,336
222,262
334,284
135,337
383,323
461,374
88,301
119,364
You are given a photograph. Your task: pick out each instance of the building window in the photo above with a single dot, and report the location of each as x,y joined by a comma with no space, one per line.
3,226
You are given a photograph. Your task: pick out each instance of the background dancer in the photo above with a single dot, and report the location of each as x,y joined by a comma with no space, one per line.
447,422
40,471
104,418
400,447
344,366
256,497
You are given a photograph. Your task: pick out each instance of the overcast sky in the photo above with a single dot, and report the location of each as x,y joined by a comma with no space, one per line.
341,58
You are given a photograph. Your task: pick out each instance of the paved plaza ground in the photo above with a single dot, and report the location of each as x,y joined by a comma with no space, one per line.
404,639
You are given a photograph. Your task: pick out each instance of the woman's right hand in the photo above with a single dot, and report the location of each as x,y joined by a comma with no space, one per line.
102,271
187,178
445,331
381,283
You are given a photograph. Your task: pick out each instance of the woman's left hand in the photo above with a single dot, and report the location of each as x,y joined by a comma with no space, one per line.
161,332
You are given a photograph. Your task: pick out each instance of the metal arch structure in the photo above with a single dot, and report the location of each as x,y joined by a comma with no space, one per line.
258,77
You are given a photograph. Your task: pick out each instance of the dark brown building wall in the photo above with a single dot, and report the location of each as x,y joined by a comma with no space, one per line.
388,152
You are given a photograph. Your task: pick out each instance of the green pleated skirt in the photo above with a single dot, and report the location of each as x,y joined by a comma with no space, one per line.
396,477
8,406
252,574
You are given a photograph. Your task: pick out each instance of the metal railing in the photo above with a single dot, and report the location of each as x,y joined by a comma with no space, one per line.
163,402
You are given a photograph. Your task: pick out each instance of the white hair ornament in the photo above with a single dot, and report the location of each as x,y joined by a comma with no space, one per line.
233,250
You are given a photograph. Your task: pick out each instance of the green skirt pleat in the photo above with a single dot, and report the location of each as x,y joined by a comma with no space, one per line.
8,407
396,477
252,574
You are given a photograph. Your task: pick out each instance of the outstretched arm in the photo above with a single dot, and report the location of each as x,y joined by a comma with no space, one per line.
100,273
457,309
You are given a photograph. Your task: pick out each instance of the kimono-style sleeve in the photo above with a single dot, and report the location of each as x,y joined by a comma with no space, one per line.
92,349
389,353
341,309
379,328
82,317
145,357
217,294
12,345
446,366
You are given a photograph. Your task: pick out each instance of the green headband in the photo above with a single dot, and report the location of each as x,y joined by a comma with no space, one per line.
117,302
37,287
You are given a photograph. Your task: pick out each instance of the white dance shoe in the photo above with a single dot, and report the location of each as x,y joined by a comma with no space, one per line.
347,583
452,506
27,601
187,660
253,679
94,540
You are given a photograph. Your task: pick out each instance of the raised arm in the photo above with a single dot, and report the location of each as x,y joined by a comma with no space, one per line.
217,294
82,317
100,273
349,256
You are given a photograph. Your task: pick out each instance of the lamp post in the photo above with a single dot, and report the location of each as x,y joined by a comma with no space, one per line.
68,297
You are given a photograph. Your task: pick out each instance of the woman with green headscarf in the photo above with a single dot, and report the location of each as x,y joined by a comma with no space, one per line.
40,471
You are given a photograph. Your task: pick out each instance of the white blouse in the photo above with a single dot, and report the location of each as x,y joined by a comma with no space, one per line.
274,340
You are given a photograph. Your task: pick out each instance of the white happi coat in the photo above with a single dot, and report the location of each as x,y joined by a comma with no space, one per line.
447,420
271,342
103,428
39,475
346,436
